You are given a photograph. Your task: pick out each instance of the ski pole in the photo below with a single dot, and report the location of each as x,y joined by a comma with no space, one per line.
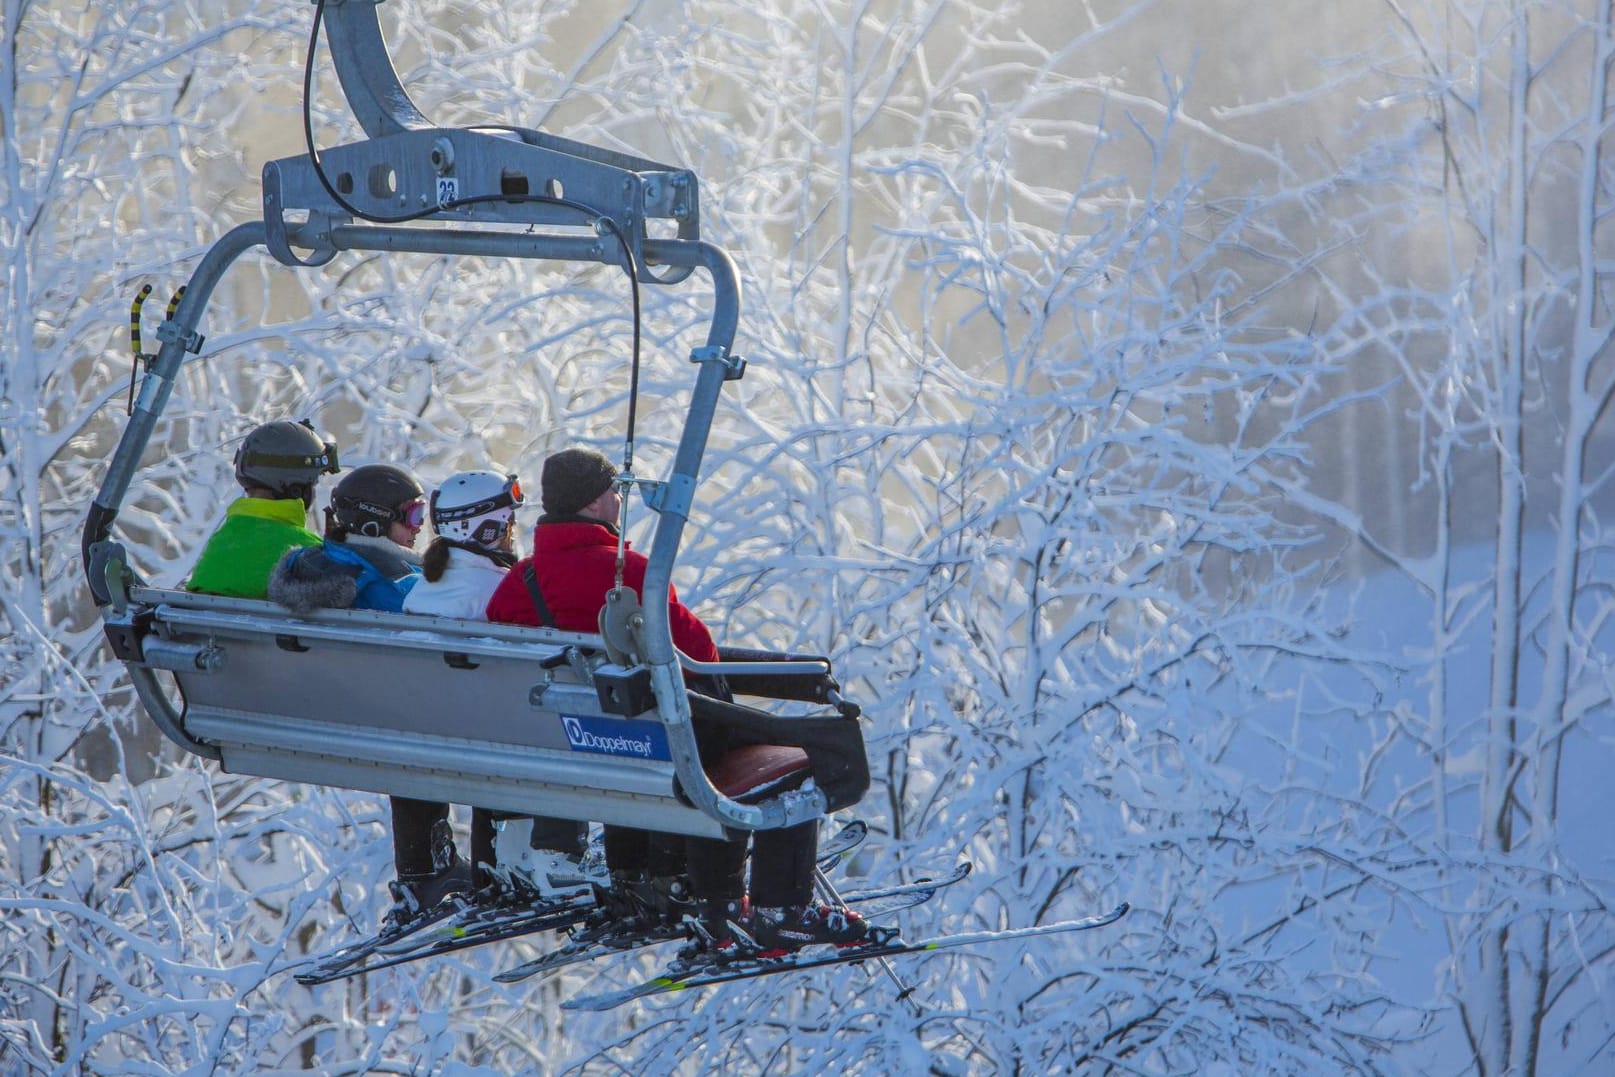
904,991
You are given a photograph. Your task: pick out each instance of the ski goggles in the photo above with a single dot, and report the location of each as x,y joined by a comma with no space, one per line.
513,490
413,514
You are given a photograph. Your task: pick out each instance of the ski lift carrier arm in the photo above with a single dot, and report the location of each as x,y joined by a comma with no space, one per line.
500,716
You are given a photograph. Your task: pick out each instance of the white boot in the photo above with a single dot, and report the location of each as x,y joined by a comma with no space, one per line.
551,874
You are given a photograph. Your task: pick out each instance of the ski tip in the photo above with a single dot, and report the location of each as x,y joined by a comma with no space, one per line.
612,999
316,977
1113,915
510,976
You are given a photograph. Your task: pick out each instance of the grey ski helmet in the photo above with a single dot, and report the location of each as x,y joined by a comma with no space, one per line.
370,498
286,458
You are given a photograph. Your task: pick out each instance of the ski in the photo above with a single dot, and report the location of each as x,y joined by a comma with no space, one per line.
470,928
465,936
456,925
356,951
887,945
957,874
588,945
439,932
842,844
478,921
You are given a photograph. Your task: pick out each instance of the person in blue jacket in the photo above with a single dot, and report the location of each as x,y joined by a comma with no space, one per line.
368,559
368,562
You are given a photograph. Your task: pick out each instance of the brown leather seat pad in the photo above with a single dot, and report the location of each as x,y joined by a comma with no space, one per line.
756,766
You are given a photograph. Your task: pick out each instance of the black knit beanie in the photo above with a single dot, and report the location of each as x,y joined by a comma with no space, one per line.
572,479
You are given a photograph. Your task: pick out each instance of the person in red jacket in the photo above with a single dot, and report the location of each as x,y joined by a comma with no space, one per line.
574,564
575,557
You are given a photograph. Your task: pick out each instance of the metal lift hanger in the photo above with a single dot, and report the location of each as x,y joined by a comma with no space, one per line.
521,719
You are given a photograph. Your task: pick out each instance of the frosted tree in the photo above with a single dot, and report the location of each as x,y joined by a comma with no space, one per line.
1034,445
133,893
1496,321
86,98
1065,394
150,905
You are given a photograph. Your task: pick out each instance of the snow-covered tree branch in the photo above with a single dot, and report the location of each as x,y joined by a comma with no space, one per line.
1189,443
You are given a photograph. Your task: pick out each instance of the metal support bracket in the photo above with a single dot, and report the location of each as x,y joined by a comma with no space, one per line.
676,495
621,622
172,332
109,574
734,367
369,82
408,170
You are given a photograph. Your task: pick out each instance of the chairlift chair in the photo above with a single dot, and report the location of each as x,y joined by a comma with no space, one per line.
527,720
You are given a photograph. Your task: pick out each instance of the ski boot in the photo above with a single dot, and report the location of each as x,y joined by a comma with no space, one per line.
712,931
636,907
546,874
776,931
415,896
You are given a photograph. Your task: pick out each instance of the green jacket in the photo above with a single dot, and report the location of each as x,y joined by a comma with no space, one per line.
244,550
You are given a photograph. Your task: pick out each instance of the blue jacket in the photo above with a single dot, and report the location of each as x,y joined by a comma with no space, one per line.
361,573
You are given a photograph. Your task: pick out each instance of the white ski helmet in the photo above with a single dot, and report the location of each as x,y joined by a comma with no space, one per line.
477,508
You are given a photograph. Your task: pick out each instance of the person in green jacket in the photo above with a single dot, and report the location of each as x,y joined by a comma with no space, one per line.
278,466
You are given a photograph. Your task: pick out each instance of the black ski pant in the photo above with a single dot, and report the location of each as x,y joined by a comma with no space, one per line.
782,861
423,843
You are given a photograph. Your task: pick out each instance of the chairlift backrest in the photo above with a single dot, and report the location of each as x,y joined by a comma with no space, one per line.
425,707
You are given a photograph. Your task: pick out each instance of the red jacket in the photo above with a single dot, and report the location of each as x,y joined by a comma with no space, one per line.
576,562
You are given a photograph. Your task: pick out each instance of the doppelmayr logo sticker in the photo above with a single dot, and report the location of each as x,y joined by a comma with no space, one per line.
606,736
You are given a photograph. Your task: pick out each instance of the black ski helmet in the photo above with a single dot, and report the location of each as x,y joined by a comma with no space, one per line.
285,458
370,498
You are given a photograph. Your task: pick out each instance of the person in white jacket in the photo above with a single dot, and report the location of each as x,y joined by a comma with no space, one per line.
474,516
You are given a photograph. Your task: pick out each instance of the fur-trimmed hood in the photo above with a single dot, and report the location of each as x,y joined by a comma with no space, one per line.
361,573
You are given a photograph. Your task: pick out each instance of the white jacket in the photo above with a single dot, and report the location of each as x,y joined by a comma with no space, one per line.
462,590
